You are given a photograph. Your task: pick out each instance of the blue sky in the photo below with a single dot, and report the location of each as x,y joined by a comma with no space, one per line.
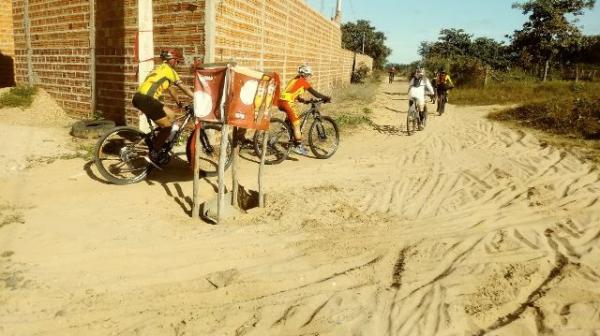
407,23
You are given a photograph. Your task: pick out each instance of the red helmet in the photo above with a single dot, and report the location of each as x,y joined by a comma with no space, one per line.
168,54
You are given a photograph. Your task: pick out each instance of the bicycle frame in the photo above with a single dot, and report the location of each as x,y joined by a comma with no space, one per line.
313,111
186,119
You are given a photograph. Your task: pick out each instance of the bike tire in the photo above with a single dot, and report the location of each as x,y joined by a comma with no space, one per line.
127,149
278,143
211,150
441,104
320,132
410,122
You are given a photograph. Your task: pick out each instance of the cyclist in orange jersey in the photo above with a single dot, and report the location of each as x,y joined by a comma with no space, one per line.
292,93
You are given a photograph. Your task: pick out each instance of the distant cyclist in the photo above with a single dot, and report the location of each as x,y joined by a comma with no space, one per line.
391,73
149,96
287,102
434,85
443,83
418,87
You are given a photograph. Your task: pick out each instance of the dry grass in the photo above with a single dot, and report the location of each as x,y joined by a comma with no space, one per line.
351,106
558,107
522,92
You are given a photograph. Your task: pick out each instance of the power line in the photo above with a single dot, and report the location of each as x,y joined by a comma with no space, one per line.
352,9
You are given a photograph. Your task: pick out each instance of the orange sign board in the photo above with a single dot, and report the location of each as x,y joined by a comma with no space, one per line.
209,93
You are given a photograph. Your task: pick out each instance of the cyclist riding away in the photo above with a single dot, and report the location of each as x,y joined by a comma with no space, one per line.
443,83
418,87
149,96
287,102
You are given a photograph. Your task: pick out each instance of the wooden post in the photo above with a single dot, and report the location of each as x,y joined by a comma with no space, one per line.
196,171
263,154
235,144
210,7
486,75
221,168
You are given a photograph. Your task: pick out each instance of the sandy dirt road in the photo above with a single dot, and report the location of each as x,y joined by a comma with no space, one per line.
466,228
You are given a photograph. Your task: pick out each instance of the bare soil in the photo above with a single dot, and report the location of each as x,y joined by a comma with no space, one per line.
466,228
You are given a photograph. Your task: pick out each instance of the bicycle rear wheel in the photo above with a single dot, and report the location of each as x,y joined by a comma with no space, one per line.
210,141
121,155
278,142
323,137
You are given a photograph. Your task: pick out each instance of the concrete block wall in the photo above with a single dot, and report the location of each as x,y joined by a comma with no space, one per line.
7,45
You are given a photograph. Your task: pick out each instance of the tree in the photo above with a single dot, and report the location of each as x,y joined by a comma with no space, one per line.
472,58
548,33
361,36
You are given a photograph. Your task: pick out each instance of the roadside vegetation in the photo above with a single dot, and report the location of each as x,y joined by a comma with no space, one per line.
549,71
352,103
20,96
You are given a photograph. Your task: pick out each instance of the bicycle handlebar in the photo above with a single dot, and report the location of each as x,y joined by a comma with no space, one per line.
315,101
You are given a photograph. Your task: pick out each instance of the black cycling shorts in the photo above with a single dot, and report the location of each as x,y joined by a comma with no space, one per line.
149,106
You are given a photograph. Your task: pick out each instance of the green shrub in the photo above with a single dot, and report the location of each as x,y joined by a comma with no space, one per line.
20,96
360,74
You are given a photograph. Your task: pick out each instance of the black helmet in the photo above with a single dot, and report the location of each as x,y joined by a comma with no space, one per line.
442,70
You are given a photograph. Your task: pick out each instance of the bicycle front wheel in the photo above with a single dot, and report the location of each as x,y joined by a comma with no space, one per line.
323,137
121,155
441,104
210,142
278,142
411,121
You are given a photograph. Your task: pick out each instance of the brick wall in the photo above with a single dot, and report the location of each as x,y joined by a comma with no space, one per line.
7,45
280,35
176,26
60,36
277,34
60,50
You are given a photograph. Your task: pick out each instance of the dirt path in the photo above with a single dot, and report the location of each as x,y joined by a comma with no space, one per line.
466,228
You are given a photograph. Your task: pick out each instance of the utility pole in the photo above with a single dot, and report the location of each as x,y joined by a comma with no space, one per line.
363,43
338,12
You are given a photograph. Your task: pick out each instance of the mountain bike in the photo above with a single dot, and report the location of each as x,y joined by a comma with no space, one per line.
323,135
415,118
122,154
442,100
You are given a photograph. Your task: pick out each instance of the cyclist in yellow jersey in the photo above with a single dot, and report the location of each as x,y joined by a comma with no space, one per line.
443,83
149,95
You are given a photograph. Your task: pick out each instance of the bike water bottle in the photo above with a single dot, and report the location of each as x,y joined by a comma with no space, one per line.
174,130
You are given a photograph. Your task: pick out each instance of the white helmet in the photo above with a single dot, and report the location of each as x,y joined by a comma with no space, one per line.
305,70
419,72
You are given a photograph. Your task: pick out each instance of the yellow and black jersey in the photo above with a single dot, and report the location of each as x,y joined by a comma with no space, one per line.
158,81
